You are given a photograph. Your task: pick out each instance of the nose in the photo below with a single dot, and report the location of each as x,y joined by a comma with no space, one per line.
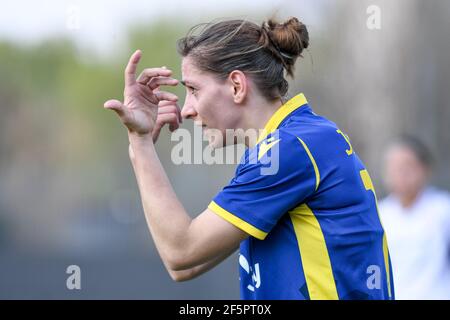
188,111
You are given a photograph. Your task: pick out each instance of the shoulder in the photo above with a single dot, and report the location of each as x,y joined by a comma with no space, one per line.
315,131
285,144
281,154
440,195
439,199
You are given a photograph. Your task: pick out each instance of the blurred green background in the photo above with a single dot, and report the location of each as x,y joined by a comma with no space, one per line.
67,190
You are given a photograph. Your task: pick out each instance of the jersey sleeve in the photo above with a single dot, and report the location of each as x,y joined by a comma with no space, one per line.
276,176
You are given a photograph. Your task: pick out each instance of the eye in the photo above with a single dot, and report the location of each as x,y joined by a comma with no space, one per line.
193,90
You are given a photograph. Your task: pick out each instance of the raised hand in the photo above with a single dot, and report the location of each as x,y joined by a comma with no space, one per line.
139,111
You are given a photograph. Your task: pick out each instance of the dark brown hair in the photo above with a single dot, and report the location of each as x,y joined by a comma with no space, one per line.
262,52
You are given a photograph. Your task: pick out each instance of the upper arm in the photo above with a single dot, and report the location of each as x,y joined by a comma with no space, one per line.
191,273
208,237
251,205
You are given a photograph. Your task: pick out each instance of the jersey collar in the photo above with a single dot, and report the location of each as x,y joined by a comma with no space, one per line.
281,114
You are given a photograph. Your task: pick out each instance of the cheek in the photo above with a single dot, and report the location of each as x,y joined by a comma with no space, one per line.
204,108
417,178
212,108
406,177
396,176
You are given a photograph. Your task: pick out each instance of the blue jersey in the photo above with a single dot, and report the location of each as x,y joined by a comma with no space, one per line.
309,206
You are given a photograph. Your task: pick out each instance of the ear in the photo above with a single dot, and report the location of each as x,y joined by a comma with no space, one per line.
239,86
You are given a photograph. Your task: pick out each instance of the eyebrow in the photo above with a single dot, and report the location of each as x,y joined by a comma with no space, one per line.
187,83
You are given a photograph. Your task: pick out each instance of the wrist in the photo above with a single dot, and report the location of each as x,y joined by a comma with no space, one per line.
140,139
139,145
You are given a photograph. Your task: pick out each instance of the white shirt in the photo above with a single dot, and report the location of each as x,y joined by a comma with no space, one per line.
419,242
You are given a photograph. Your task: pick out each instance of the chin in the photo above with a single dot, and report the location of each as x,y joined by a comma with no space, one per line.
216,138
216,143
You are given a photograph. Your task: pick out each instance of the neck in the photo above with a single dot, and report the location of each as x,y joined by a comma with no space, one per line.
257,115
408,200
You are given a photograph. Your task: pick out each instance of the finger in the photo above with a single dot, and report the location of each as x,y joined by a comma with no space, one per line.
154,83
173,127
169,118
168,109
155,133
163,95
130,70
164,103
116,106
150,73
173,107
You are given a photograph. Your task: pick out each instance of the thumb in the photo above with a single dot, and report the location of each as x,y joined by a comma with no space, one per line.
116,106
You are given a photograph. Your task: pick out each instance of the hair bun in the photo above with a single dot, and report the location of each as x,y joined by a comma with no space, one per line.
286,40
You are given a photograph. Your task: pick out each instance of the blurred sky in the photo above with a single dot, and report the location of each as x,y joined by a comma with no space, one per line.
102,24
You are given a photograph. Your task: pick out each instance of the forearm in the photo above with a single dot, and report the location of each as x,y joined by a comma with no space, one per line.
166,218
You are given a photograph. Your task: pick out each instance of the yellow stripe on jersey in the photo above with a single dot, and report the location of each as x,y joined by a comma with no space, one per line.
367,181
238,222
265,147
314,254
316,169
285,110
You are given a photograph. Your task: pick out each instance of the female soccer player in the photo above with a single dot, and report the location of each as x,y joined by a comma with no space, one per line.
308,228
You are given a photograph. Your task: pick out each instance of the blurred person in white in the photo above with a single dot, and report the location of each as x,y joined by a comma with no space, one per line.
416,217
